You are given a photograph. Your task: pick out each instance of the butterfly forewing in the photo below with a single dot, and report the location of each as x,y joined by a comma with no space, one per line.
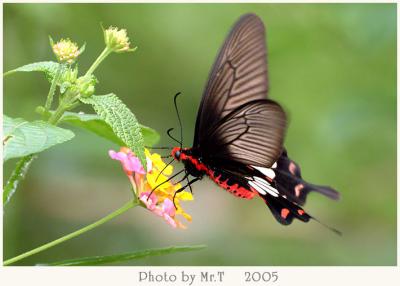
239,75
251,135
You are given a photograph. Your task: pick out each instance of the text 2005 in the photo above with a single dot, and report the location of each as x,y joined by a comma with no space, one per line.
261,276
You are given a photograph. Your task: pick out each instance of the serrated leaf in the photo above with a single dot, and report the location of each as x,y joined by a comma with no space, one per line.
22,138
49,68
94,123
99,260
122,121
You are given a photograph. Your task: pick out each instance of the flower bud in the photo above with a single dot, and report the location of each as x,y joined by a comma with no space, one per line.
70,75
86,85
88,91
65,50
117,40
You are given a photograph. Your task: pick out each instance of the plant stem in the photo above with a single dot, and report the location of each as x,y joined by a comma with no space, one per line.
101,221
53,86
9,72
17,175
96,63
57,114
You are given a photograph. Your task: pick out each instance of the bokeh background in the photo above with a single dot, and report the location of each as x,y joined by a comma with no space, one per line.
332,67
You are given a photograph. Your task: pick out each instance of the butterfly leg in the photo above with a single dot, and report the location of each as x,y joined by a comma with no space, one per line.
170,178
190,186
182,189
185,177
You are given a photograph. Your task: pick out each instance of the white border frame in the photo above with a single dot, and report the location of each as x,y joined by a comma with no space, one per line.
234,275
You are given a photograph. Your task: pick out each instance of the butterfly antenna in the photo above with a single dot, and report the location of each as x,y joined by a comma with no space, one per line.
179,118
338,232
158,148
165,167
172,137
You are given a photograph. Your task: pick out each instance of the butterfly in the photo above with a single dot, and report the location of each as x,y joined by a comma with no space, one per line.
239,133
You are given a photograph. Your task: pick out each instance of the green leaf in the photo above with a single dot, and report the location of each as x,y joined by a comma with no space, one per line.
94,123
49,68
150,136
22,138
16,177
122,121
98,260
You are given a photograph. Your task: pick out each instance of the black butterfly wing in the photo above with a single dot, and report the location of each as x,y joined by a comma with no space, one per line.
239,75
289,181
252,182
238,129
250,135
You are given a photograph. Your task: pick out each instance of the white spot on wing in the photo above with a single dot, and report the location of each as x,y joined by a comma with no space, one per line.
257,187
263,187
266,171
261,181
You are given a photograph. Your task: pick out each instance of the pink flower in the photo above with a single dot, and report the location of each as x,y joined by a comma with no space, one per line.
168,207
130,163
169,212
165,210
160,202
149,202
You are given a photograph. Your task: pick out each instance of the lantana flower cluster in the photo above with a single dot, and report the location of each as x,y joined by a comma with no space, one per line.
160,201
66,50
117,40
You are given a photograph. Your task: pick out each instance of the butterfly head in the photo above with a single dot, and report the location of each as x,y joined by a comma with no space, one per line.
177,153
181,154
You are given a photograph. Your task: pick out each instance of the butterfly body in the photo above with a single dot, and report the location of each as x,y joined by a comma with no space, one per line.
195,167
239,132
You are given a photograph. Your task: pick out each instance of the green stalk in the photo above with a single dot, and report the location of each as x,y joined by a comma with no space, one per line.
97,62
55,117
9,72
16,177
53,86
67,237
69,102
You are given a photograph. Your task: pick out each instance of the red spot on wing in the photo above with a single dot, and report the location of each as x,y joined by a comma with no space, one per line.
297,189
284,213
292,168
300,212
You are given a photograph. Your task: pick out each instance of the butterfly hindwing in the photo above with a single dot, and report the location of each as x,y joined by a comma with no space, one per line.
283,208
289,182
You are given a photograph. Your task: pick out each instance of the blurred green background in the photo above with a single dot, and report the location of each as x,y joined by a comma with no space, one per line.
332,67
